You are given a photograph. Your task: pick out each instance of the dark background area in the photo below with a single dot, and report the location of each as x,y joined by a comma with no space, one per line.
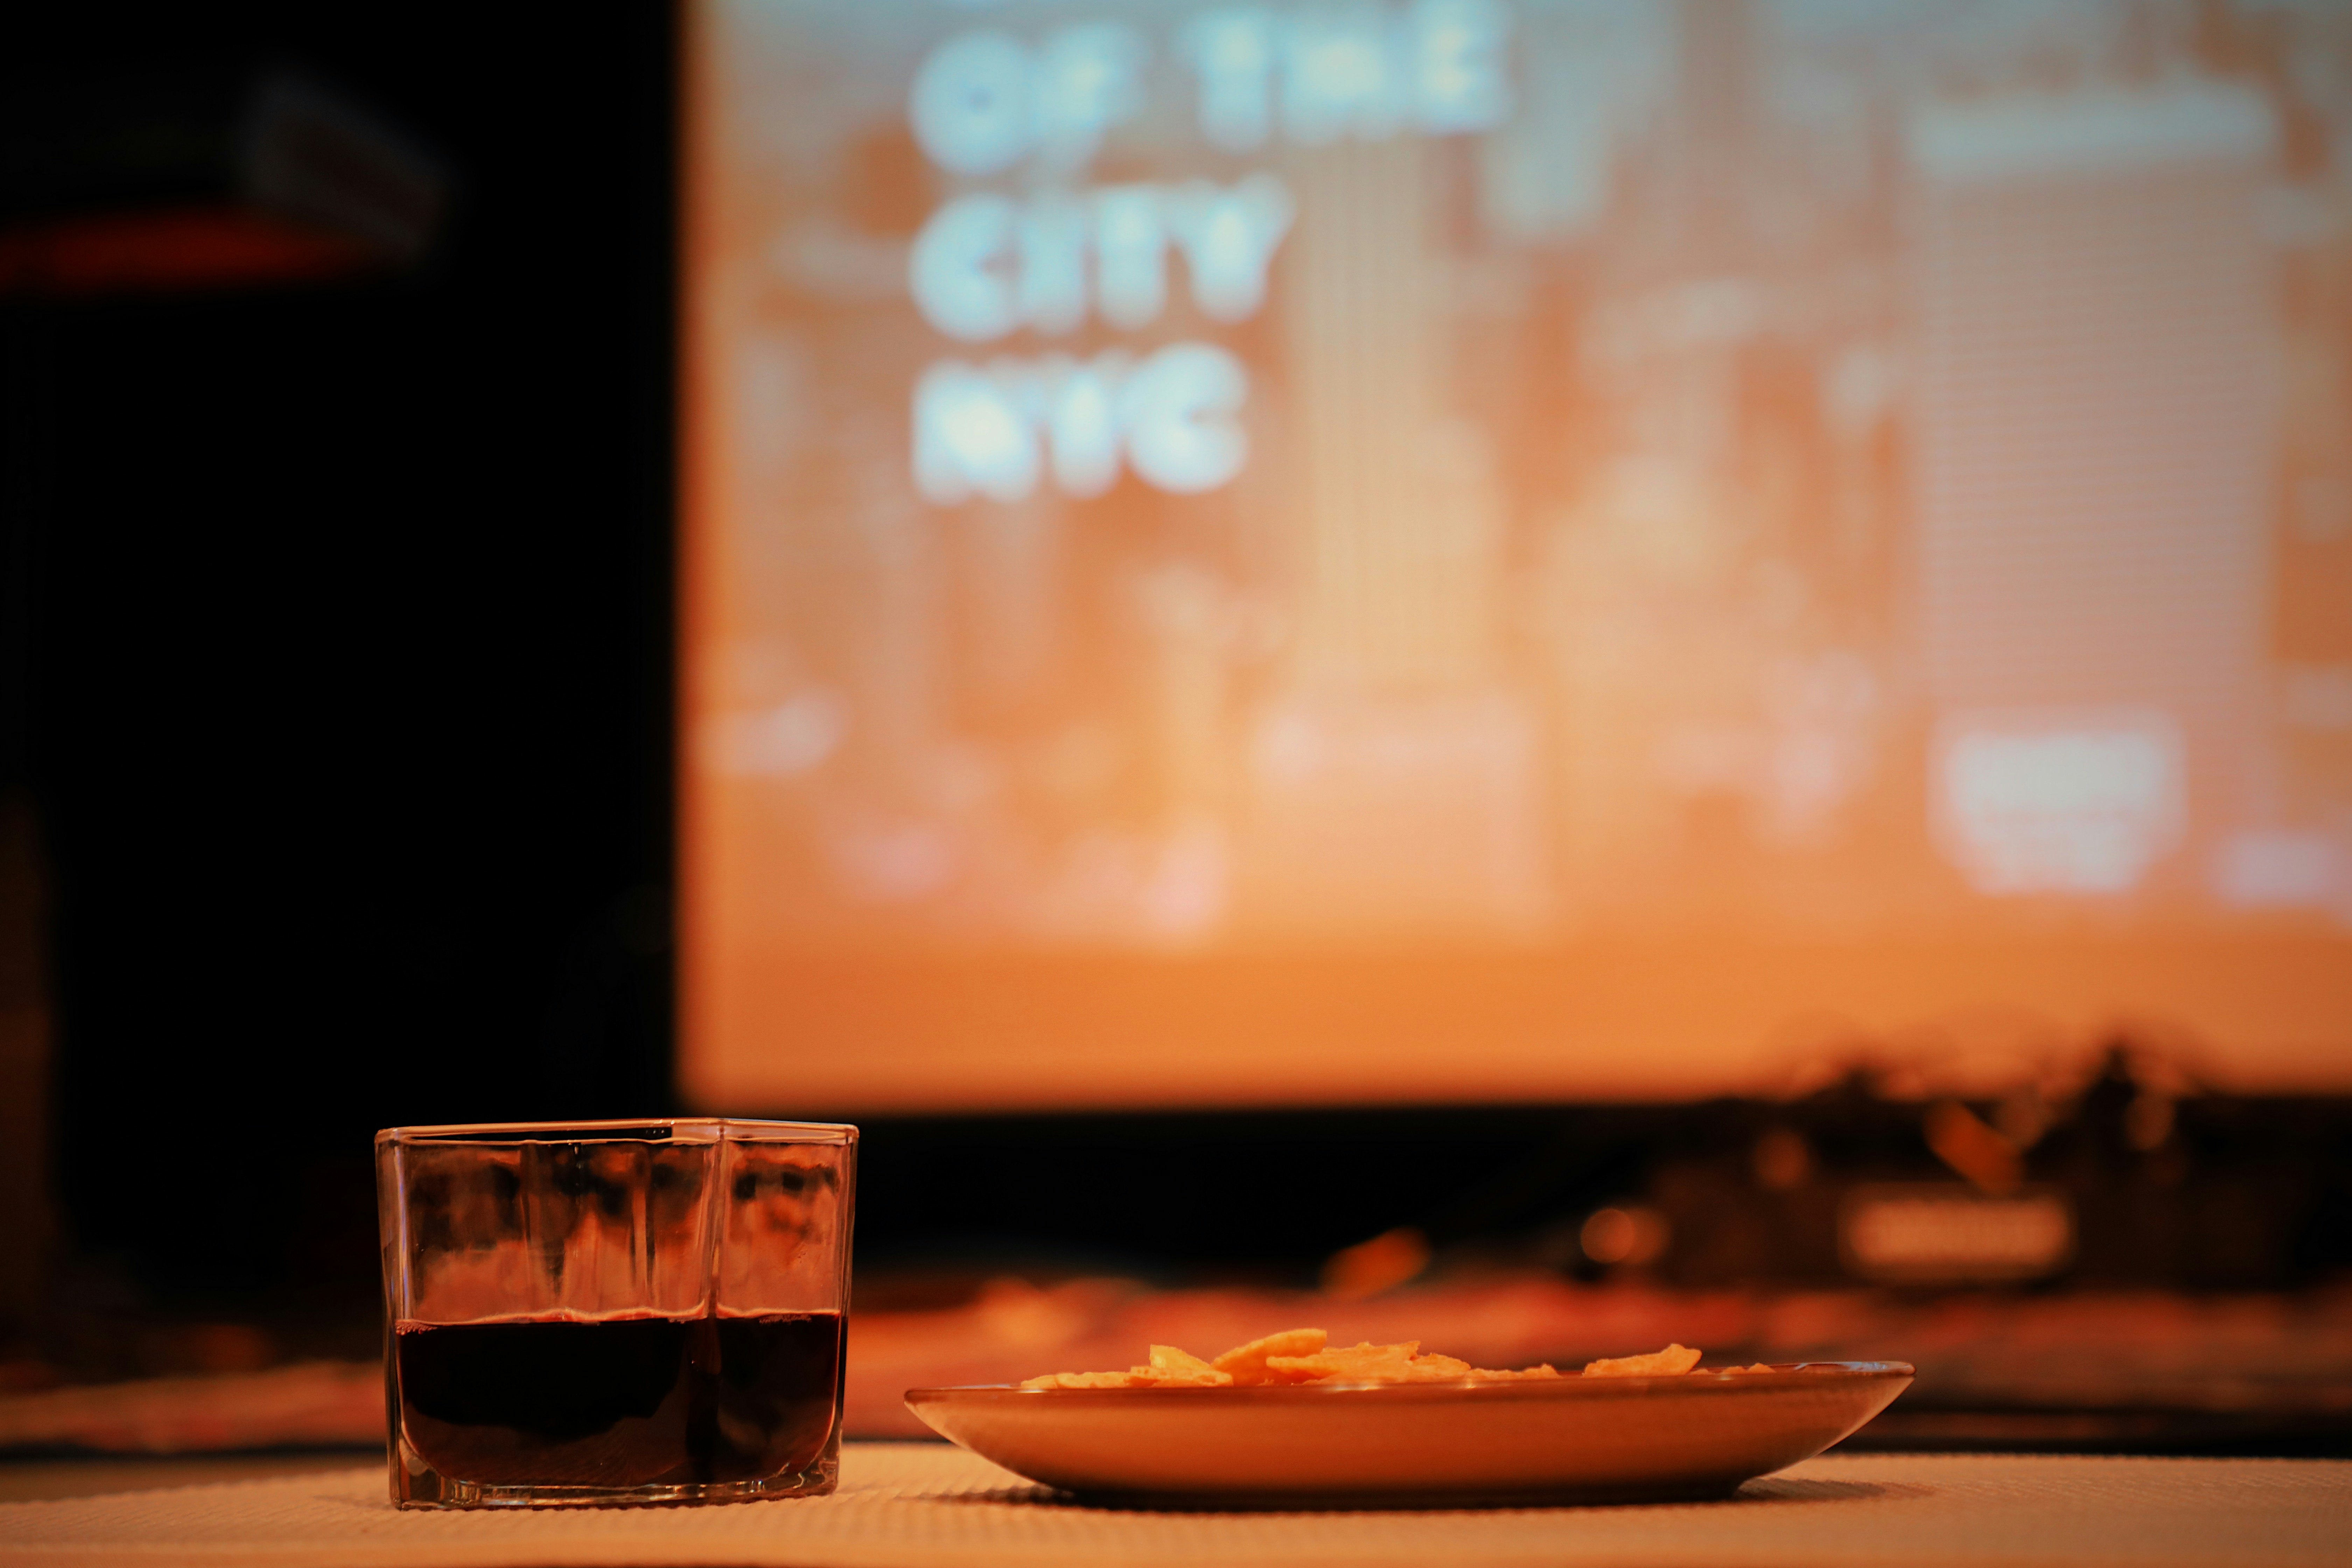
343,681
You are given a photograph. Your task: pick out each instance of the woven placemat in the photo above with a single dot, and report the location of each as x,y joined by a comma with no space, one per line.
929,1506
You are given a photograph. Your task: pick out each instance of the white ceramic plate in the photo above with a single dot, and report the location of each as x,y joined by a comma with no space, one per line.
1418,1445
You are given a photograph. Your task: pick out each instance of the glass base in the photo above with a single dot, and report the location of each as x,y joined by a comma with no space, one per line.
415,1484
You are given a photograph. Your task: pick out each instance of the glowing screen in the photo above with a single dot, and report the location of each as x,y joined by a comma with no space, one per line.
1494,548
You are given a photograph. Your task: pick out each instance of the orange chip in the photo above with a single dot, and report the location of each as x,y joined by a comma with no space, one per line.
1365,1363
1247,1363
1434,1369
1303,1355
1172,1368
1759,1366
1671,1361
1090,1379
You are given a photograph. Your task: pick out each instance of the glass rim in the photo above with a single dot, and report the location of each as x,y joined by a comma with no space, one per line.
630,1130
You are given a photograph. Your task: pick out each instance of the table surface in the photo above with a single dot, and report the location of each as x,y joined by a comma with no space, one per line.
929,1506
97,1475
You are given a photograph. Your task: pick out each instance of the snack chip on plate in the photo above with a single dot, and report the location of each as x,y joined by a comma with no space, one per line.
1173,1368
1305,1355
1140,1378
1671,1361
1370,1362
1247,1364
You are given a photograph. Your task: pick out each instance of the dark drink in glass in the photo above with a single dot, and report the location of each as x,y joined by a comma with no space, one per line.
621,1402
614,1312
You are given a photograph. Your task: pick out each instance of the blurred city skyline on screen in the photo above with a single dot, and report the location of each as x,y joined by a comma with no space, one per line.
1184,484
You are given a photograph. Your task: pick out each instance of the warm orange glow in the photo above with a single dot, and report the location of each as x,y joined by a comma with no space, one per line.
1243,557
1608,1018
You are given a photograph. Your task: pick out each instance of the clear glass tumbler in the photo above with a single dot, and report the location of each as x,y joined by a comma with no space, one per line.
615,1312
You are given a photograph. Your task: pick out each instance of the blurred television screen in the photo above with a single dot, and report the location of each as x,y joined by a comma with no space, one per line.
1491,550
